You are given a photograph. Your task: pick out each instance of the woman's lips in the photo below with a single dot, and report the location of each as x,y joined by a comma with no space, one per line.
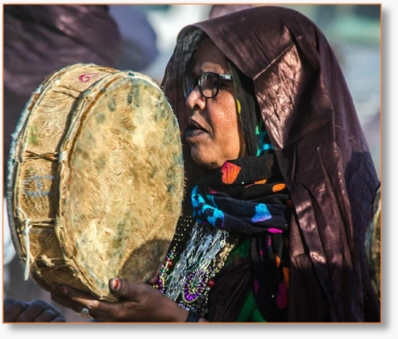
189,134
194,129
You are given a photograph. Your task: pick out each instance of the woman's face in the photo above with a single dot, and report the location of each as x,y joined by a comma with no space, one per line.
213,133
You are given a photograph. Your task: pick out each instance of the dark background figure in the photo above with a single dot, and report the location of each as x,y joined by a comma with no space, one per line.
138,38
40,39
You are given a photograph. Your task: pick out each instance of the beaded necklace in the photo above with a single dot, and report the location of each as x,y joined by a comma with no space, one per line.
191,278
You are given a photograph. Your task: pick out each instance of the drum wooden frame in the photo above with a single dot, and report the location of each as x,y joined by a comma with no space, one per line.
96,179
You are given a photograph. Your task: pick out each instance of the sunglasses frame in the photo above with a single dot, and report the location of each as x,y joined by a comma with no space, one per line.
198,82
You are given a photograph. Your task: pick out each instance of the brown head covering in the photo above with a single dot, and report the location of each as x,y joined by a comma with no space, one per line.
322,153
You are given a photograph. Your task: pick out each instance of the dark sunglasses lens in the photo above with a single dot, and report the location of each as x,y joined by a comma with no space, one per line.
209,84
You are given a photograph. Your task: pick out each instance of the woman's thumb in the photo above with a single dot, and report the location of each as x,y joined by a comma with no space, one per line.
114,284
121,288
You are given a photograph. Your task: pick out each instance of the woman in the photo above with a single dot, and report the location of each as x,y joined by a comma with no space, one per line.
280,183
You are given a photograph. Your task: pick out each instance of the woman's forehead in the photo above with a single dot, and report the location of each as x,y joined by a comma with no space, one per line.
208,57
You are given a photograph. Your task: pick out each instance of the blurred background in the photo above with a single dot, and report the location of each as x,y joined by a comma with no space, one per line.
41,39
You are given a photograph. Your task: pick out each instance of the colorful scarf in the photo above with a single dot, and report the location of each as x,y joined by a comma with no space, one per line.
246,196
242,197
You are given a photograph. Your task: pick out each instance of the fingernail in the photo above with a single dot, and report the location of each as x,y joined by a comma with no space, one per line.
115,284
63,290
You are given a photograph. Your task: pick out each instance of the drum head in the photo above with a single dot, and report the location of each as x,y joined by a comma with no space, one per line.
111,180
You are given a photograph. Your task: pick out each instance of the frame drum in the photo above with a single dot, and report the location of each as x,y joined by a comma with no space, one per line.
96,179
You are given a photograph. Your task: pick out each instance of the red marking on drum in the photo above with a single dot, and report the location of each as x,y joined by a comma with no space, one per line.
86,77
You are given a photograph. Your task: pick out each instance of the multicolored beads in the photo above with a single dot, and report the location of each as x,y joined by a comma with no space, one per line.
194,286
195,266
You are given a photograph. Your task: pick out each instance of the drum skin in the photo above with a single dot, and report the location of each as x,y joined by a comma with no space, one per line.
95,180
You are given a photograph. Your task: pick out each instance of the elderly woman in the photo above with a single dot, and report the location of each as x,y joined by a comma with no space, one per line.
280,183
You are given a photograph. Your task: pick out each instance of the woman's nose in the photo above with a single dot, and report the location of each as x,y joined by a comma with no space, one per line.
195,98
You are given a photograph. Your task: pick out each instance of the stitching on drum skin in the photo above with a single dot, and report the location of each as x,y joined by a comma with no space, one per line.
52,156
47,223
44,267
67,91
50,263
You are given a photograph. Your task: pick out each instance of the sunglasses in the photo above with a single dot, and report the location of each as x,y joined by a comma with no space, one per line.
208,82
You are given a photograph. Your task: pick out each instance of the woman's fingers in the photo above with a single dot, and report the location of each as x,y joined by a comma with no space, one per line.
78,301
66,302
81,298
137,302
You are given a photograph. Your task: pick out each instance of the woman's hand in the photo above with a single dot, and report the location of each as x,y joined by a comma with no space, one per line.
34,311
138,302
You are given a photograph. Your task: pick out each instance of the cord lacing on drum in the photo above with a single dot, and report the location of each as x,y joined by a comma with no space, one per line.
25,234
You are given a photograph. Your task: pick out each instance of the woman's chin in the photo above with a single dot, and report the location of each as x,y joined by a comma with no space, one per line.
204,161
